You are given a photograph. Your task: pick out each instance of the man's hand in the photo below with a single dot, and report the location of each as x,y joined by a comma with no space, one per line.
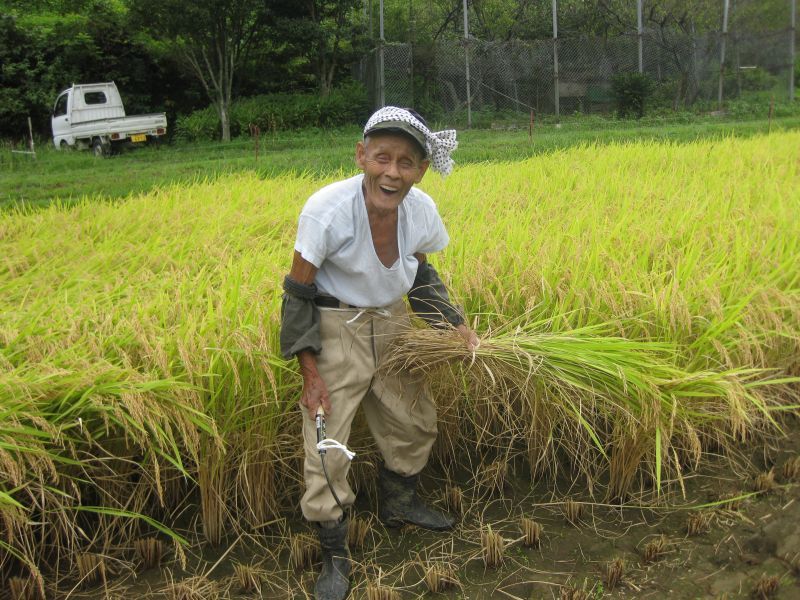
315,392
469,336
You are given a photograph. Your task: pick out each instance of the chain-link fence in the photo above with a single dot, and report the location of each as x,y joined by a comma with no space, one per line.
524,77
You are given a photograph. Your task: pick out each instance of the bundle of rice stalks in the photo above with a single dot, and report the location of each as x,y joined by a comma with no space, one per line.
493,547
440,577
766,587
654,549
764,482
376,591
454,499
303,551
572,511
615,571
531,532
357,530
150,551
610,404
91,568
791,469
191,588
24,588
247,578
697,523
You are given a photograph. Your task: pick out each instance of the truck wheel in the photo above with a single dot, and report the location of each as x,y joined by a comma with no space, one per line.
100,149
64,146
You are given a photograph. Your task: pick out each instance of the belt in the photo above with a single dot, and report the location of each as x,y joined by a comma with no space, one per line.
331,302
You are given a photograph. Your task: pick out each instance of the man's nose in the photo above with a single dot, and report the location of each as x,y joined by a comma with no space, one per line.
392,170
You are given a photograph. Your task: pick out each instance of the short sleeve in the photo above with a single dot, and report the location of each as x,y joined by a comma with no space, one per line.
311,243
433,236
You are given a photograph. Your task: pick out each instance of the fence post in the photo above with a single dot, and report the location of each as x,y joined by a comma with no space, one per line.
640,32
466,65
722,52
381,75
792,58
555,60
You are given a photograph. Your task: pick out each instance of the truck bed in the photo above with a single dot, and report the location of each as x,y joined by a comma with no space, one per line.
120,125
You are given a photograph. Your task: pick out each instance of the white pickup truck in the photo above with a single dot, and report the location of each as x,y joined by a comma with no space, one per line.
92,116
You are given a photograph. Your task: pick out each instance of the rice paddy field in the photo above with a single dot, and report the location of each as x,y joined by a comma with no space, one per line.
638,305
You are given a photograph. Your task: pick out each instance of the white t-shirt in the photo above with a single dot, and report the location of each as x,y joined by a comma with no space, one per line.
334,235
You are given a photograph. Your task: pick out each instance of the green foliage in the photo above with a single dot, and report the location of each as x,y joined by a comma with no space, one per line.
273,112
631,92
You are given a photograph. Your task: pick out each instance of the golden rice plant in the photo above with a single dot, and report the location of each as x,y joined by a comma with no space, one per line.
658,322
493,547
531,532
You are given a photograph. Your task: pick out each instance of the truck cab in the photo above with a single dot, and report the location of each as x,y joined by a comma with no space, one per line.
93,116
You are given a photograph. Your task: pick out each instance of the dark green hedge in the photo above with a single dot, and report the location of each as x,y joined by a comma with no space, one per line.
347,104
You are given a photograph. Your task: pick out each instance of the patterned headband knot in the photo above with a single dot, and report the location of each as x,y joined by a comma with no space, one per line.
438,144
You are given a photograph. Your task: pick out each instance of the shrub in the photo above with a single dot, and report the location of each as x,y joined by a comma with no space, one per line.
272,112
630,92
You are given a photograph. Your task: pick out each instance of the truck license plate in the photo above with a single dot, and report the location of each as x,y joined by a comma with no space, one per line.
139,137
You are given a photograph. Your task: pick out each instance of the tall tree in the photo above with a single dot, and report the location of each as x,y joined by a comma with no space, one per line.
326,34
211,37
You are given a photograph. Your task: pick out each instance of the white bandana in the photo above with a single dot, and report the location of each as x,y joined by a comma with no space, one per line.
439,144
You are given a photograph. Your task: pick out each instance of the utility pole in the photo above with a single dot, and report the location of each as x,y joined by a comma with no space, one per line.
722,52
466,65
555,60
793,58
640,32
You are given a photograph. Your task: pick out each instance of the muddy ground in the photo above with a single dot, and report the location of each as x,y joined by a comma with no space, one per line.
701,549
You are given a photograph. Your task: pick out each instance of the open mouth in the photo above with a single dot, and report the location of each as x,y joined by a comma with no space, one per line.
389,190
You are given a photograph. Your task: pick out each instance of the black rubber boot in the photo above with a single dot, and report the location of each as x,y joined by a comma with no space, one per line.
334,580
399,503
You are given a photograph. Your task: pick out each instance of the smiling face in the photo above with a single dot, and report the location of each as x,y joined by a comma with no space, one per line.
392,163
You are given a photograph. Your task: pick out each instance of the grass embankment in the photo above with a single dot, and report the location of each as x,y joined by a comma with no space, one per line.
73,175
138,347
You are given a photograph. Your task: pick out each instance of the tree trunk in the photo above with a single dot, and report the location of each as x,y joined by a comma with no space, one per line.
223,109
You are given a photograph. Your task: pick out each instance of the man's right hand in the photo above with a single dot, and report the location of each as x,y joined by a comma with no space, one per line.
315,392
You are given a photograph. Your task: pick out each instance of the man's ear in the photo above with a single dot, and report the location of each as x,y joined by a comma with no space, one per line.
423,167
361,154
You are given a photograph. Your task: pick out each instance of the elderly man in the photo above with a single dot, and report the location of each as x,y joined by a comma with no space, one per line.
362,245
